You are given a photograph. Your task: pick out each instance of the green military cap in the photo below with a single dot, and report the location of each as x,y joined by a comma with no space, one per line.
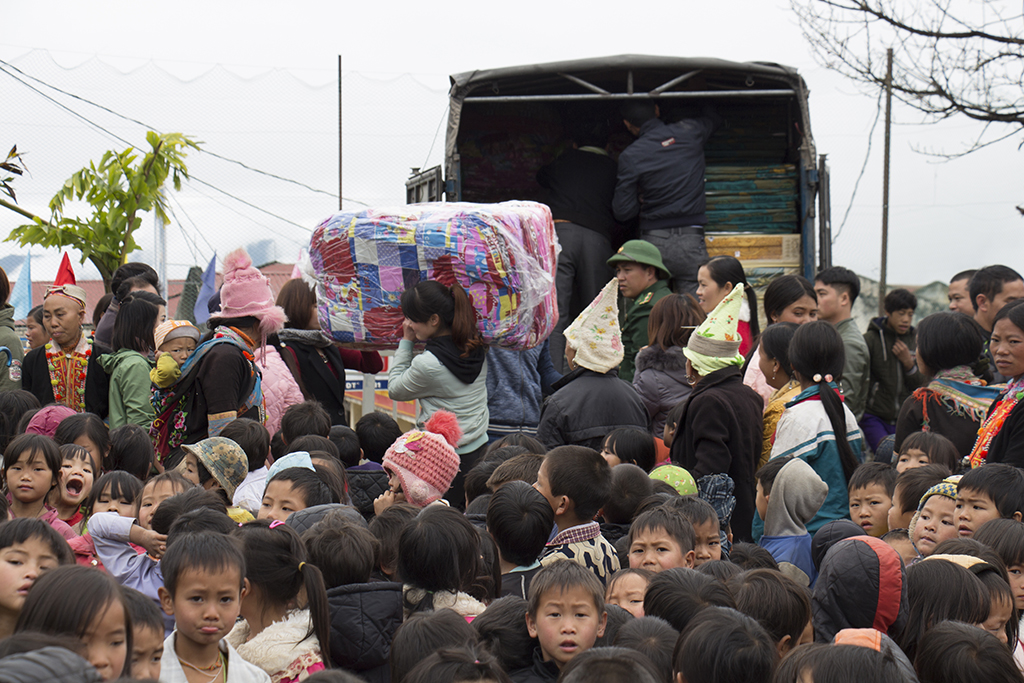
642,252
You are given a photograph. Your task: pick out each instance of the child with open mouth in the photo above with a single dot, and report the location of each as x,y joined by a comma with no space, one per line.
74,484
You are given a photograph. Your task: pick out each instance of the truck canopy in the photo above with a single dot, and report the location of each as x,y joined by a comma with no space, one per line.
762,170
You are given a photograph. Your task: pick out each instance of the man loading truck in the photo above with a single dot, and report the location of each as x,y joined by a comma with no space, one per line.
661,178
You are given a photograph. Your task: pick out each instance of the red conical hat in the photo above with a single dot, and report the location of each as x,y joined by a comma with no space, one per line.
65,283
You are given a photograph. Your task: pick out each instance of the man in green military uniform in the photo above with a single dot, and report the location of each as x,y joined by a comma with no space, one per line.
643,281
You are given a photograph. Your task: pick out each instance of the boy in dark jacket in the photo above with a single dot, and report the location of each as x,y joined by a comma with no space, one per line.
894,373
364,616
519,520
566,614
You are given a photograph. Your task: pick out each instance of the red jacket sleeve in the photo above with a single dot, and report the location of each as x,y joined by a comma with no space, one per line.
363,361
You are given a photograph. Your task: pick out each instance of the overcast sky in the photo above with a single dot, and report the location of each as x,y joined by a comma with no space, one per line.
256,81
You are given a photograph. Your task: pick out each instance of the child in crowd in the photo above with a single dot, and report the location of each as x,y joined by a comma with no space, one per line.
940,590
287,642
32,465
217,464
458,664
789,493
900,541
519,520
502,630
114,492
778,603
387,527
88,431
347,443
440,563
630,486
935,520
652,638
175,341
376,432
131,450
254,440
566,614
88,605
517,468
907,492
705,522
989,492
629,445
677,595
422,464
672,418
305,419
364,616
661,539
924,448
721,644
423,634
576,482
74,484
1006,538
294,488
627,588
147,634
871,490
29,548
952,652
893,368
204,584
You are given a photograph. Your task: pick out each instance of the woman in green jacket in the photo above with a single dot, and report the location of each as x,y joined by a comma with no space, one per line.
129,364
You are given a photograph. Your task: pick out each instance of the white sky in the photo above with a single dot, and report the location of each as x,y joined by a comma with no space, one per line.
274,106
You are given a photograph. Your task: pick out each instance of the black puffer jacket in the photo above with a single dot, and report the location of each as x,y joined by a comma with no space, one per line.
586,406
862,584
49,664
364,618
364,487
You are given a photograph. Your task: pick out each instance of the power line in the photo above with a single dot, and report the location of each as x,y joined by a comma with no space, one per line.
147,126
130,144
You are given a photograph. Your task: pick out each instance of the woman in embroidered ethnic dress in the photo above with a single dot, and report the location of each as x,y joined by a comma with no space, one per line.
1001,437
62,370
954,401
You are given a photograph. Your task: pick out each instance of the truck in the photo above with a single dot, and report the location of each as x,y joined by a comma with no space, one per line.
766,186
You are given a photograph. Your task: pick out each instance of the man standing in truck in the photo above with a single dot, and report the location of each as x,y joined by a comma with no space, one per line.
579,186
661,178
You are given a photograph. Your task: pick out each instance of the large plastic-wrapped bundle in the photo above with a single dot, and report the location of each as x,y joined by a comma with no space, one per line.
505,256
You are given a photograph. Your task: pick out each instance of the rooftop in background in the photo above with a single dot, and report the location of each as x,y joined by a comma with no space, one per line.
277,273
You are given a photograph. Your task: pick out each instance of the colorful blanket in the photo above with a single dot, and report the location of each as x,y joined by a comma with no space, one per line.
505,256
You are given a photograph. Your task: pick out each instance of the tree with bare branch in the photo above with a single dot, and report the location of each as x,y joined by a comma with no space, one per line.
950,57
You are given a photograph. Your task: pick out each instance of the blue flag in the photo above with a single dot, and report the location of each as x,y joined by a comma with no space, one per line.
208,289
21,295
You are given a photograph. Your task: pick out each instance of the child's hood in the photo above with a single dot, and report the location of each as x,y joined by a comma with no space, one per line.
795,497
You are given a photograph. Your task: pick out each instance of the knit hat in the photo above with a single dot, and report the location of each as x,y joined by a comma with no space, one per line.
425,460
174,329
46,419
642,252
293,459
594,335
246,291
676,477
65,284
946,487
223,459
715,344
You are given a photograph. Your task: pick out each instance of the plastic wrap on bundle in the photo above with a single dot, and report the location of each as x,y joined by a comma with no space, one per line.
504,255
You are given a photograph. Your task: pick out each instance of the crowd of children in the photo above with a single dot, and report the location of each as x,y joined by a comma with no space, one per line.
799,503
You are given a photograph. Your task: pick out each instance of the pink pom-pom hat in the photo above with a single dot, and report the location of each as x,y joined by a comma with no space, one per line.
425,460
246,291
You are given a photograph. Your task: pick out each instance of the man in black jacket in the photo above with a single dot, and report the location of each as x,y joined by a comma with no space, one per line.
579,186
661,178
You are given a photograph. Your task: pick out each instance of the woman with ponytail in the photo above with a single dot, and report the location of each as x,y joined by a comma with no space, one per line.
287,640
715,279
817,426
451,374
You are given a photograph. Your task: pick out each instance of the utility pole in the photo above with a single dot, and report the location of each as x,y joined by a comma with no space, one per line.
885,182
160,243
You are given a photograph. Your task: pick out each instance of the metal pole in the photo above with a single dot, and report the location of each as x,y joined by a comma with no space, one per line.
160,241
885,182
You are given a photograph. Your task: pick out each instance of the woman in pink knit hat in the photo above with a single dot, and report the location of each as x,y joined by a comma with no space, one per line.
220,381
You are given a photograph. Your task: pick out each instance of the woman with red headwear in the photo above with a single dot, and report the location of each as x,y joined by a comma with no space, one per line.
64,369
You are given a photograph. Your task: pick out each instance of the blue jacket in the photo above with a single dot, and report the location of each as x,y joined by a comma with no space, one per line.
796,550
515,386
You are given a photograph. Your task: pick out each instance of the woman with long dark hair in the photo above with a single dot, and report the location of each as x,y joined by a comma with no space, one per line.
451,374
128,365
817,426
715,279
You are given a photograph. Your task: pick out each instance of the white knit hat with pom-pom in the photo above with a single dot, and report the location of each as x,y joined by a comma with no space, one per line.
425,460
246,292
